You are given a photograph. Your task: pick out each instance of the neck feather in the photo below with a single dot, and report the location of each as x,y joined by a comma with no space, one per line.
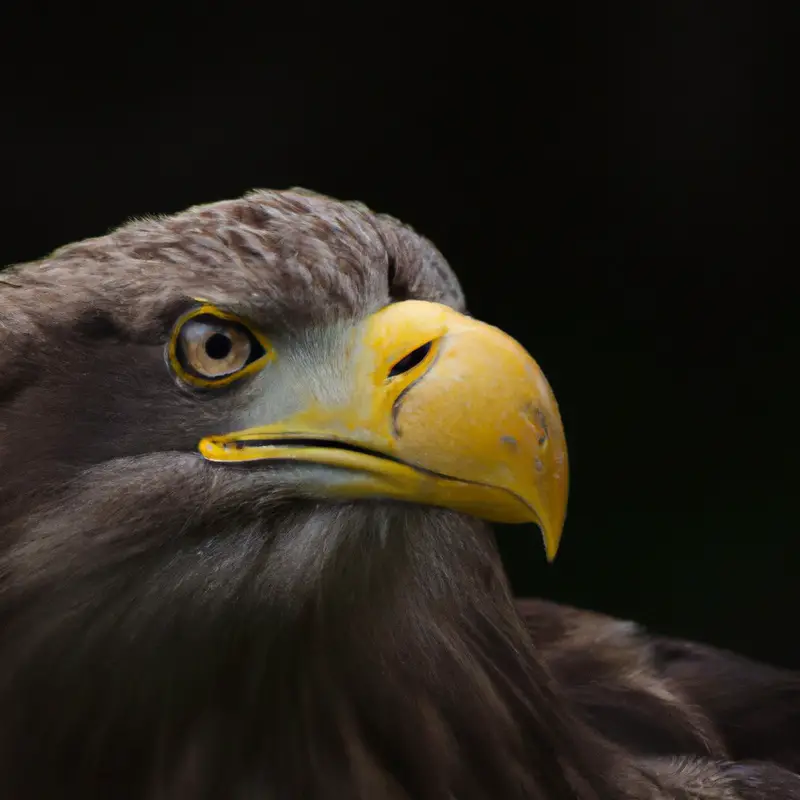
364,651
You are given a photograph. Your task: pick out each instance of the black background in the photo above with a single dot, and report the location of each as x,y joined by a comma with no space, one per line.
608,185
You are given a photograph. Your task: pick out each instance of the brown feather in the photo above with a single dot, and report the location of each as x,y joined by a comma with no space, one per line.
755,707
665,695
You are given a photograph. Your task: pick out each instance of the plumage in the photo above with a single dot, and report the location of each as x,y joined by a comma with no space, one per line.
175,628
665,695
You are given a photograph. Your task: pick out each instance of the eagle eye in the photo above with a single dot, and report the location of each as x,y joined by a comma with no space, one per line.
211,348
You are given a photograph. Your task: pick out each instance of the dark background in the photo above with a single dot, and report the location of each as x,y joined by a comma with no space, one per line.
608,186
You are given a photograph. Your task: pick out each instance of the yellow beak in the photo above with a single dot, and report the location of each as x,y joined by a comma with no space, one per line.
443,410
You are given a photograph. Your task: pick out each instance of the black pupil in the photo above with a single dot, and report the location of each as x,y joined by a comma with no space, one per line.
218,346
411,360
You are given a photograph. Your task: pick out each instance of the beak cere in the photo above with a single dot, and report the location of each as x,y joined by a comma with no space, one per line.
445,411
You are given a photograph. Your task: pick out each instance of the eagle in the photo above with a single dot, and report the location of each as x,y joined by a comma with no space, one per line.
250,455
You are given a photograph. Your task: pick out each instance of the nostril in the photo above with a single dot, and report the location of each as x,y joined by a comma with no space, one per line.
411,360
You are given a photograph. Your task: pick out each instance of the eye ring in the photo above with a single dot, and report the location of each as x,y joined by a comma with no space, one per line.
210,348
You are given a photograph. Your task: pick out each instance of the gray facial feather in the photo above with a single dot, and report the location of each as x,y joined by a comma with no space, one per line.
289,260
